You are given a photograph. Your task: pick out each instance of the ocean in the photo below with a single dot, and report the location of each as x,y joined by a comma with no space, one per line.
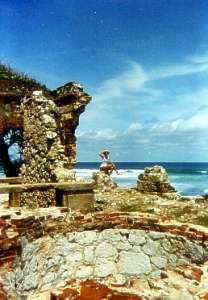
187,178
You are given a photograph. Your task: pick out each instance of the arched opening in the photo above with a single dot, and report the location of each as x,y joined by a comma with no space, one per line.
11,153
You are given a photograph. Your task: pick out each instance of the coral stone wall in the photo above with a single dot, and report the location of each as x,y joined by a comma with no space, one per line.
11,92
118,253
44,155
71,100
37,223
10,114
103,182
154,180
57,244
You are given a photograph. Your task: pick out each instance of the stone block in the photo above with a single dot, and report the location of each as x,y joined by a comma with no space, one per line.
82,201
89,254
137,238
104,267
105,249
134,263
151,247
194,252
159,262
154,180
14,199
112,235
30,282
84,272
124,245
155,235
86,237
74,257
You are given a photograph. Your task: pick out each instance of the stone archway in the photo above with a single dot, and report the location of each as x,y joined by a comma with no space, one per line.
70,101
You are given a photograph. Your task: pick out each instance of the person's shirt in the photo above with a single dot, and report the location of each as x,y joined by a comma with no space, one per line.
105,161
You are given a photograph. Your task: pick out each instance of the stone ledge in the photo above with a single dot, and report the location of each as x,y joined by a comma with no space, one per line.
66,186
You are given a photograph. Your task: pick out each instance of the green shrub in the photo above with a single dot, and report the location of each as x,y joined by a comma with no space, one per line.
7,73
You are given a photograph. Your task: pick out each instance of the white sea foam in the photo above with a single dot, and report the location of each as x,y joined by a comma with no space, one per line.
127,174
181,187
203,172
188,184
85,172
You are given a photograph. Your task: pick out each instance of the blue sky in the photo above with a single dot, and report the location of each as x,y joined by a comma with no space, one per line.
145,63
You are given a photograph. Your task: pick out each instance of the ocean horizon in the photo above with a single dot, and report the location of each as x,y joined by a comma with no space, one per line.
189,178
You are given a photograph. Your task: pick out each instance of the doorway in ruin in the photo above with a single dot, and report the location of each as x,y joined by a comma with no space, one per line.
11,154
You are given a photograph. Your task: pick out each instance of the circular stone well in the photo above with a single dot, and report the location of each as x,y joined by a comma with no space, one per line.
99,255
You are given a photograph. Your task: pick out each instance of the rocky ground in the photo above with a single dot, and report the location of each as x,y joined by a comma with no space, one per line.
185,209
153,194
176,284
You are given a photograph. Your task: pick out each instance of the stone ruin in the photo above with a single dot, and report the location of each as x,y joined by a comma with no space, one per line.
44,154
103,182
70,101
154,181
43,151
47,253
47,120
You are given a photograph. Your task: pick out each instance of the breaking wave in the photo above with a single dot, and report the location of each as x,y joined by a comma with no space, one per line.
187,181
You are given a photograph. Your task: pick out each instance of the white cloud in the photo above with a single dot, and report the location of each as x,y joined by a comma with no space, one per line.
198,122
199,59
133,80
134,127
166,127
178,70
130,81
103,134
118,96
195,64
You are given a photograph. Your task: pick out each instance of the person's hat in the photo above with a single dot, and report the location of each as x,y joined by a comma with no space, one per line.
104,151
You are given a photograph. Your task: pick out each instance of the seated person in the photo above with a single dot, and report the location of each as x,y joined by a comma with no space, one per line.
107,166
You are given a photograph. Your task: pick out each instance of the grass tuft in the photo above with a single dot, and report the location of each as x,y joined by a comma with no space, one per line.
8,73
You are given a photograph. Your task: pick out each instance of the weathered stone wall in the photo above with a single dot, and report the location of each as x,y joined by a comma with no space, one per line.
11,93
103,182
37,223
10,114
58,245
114,253
45,160
71,100
154,180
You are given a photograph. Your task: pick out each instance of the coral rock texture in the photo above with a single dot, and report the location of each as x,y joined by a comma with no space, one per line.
45,159
154,180
103,181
